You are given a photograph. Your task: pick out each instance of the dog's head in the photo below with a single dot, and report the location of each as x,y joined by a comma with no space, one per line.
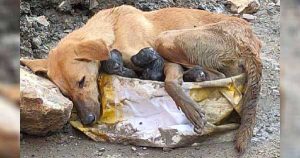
74,66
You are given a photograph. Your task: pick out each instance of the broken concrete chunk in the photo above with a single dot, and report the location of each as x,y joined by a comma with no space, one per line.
43,108
244,6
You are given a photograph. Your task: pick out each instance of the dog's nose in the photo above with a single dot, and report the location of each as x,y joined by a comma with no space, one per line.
89,119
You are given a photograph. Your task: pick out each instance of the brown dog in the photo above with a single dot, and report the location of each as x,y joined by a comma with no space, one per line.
215,41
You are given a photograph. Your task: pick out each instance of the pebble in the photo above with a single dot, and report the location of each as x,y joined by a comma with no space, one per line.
101,150
67,31
269,130
271,4
42,20
278,3
249,17
65,6
25,7
99,154
36,42
133,148
144,148
276,92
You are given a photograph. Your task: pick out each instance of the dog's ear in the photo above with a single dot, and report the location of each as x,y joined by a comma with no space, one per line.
92,50
38,66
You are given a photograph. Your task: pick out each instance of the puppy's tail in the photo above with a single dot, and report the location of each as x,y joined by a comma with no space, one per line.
253,68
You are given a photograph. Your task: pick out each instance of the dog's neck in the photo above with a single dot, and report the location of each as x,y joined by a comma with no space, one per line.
98,27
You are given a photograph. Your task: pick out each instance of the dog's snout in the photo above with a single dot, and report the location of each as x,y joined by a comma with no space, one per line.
89,119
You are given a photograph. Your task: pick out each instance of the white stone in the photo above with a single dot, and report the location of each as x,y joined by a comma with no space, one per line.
249,17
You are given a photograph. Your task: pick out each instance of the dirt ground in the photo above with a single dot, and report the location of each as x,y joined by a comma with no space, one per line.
37,40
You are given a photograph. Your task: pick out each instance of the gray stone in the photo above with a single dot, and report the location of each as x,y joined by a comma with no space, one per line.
43,108
36,42
40,19
133,148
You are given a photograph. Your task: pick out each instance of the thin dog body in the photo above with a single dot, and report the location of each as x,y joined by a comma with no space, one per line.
183,37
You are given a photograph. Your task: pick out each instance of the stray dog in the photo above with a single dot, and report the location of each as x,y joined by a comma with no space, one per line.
186,38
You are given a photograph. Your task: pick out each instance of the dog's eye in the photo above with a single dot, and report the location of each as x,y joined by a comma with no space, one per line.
81,82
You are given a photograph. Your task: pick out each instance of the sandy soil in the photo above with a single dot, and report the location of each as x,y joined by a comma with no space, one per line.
71,143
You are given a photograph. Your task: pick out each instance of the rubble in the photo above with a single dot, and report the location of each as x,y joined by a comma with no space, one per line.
43,108
243,6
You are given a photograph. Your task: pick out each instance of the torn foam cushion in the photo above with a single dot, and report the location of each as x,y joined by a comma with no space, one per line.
140,112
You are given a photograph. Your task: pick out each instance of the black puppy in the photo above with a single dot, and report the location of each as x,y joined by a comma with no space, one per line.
115,65
151,62
195,74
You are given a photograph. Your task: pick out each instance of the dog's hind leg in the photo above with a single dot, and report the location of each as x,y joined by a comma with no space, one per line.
189,107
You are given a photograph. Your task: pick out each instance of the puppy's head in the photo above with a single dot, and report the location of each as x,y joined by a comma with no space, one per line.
74,66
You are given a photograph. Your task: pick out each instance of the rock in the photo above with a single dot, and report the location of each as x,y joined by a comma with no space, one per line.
269,130
278,3
133,148
249,17
271,4
43,108
212,7
66,6
40,19
243,6
276,92
25,7
93,4
101,150
36,42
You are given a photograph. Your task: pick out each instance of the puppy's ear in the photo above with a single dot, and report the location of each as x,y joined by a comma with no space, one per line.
38,66
92,50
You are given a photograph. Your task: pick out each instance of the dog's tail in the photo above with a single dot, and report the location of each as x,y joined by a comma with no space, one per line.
253,68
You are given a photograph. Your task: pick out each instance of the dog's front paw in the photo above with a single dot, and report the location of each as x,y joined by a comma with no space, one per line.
196,116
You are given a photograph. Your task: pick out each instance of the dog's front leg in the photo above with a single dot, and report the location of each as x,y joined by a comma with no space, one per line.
189,107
